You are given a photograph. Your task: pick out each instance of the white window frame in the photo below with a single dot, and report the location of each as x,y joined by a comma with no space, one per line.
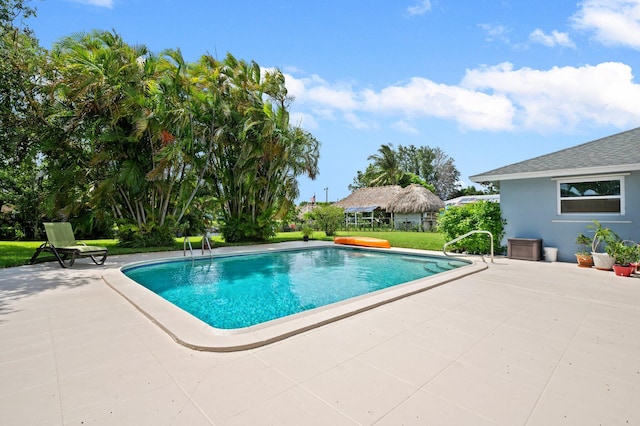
619,177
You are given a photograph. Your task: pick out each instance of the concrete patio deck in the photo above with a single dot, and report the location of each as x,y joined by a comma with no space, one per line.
521,343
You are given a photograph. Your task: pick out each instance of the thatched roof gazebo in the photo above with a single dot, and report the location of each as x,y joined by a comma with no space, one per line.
415,199
369,199
415,207
407,208
368,206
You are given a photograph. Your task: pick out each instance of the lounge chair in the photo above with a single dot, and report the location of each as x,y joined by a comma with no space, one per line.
63,245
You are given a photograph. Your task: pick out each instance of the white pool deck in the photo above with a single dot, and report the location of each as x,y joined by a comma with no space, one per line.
520,343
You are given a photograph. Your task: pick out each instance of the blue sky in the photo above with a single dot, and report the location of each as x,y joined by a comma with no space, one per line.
490,82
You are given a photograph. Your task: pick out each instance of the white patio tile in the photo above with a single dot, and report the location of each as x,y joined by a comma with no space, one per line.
603,396
25,373
39,405
165,405
551,328
109,385
510,363
359,391
231,388
425,408
439,338
413,364
531,343
301,357
521,343
293,407
503,401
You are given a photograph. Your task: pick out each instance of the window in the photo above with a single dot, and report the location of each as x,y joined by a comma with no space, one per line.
591,195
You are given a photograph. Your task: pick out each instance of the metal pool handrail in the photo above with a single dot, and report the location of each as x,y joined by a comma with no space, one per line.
184,247
478,231
205,238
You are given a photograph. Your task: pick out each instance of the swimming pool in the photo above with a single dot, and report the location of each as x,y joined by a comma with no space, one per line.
239,291
195,333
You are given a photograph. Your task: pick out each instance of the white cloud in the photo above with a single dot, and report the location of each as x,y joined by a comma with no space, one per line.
614,22
556,38
496,33
304,120
422,7
489,98
100,3
405,127
563,97
425,98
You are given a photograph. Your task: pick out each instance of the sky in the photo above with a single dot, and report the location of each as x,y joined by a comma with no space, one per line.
489,82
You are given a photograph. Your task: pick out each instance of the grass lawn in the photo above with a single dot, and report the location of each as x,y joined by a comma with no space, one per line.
16,253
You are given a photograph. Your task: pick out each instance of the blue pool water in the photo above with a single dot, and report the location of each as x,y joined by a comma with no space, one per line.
238,291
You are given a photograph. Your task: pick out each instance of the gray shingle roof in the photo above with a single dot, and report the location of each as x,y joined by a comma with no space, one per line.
616,153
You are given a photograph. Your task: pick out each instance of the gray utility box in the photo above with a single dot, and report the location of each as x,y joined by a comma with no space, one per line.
524,248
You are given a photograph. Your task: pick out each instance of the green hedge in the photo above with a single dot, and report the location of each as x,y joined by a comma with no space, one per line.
481,215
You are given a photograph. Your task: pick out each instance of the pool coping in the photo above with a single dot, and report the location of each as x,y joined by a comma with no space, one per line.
194,333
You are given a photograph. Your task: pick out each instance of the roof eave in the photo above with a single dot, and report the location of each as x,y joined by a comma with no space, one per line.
556,173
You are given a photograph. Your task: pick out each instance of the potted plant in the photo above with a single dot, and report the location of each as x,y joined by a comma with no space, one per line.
585,259
626,255
306,232
602,235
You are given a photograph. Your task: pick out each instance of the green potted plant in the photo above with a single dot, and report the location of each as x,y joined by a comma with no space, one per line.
606,236
307,232
625,255
584,257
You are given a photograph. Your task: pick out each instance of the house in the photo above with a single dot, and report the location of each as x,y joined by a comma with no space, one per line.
555,197
413,207
468,199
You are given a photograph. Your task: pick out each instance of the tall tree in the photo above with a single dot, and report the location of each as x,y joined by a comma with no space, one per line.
153,134
22,124
429,167
446,176
386,167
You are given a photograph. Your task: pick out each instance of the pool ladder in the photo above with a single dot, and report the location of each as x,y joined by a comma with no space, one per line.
479,231
205,242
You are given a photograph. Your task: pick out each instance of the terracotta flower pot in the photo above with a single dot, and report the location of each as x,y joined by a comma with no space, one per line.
624,271
584,260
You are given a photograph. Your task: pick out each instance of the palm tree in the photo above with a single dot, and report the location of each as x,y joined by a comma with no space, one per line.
386,167
149,134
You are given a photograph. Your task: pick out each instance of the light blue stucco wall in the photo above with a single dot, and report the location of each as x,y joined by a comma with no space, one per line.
530,208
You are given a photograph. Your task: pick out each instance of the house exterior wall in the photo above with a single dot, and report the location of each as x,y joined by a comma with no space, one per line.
531,210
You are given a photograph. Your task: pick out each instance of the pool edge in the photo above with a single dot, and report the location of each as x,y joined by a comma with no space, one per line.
193,333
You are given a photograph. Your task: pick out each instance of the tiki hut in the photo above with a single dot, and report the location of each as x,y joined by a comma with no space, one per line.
368,207
415,207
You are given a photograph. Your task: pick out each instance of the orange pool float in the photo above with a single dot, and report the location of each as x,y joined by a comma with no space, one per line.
362,241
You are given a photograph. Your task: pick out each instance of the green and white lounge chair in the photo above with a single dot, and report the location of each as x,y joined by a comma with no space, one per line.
63,245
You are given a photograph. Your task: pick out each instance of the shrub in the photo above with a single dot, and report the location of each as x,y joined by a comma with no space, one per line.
328,218
481,215
149,235
245,229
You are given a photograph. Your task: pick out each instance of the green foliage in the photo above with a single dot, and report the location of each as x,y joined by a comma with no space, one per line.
584,243
429,167
601,235
623,252
328,218
481,215
148,235
150,137
241,229
307,231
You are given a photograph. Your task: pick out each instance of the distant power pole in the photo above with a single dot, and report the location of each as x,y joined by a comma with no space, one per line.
326,195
